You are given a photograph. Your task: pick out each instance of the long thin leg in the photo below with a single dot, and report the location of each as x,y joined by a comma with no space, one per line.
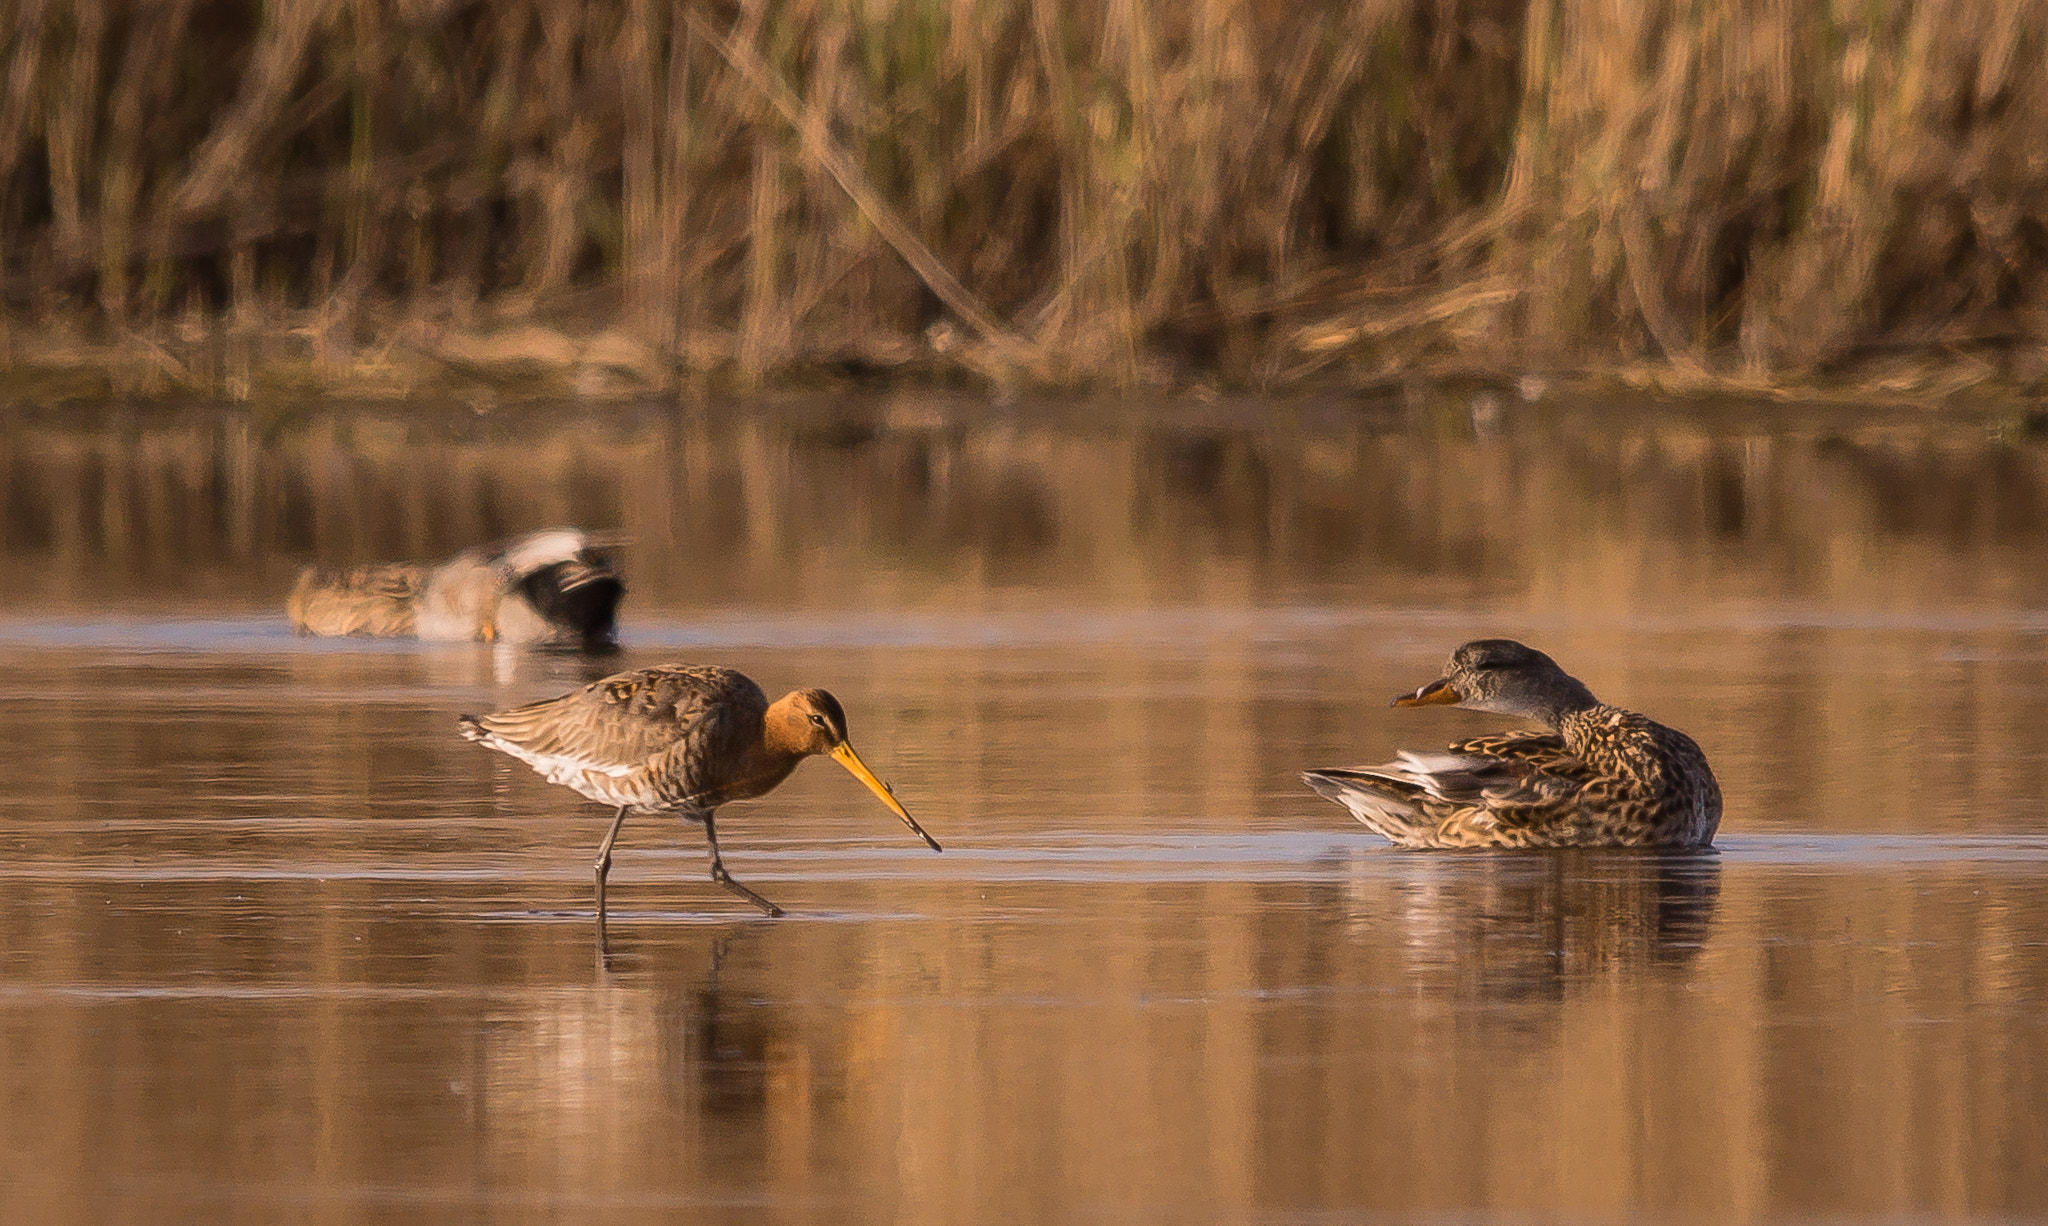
724,878
604,866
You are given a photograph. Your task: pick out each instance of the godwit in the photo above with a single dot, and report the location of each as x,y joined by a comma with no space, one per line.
679,739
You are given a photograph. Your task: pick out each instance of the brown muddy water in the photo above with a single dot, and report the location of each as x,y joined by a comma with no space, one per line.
276,943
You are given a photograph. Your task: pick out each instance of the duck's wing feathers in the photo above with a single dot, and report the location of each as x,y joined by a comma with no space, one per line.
1467,793
1629,782
1510,771
621,723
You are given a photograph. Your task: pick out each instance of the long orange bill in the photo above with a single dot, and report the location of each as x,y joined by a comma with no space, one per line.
845,756
1436,693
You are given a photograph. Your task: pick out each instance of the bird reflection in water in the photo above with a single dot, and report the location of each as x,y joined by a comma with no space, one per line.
716,1047
1510,926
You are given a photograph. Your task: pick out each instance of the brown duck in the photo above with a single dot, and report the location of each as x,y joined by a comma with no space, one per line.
677,739
1600,776
552,587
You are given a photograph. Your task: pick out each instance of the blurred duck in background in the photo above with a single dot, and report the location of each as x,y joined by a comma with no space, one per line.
548,588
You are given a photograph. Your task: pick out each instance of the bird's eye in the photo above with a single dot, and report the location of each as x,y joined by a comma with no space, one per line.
819,720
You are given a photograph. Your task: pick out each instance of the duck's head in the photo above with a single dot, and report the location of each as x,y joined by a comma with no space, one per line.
1507,678
811,722
570,584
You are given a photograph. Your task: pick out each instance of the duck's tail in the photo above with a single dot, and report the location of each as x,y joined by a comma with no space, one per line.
1388,806
379,601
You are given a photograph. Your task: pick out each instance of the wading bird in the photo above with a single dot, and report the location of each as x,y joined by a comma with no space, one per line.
551,587
677,739
1599,776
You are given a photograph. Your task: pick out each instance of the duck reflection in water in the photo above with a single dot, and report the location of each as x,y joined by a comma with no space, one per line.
1504,927
553,588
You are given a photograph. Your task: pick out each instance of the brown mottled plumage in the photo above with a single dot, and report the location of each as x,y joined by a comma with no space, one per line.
369,601
679,739
552,586
1600,777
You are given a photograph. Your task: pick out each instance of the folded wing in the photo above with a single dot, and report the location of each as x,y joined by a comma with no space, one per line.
625,727
1462,793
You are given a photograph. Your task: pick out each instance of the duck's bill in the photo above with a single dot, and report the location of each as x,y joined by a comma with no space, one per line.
1436,693
845,756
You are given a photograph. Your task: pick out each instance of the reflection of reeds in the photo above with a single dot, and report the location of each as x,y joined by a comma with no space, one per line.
1124,190
916,506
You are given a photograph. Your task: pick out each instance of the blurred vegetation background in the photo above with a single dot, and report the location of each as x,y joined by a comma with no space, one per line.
227,196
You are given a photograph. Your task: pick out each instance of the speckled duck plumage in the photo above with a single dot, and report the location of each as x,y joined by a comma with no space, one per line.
1598,776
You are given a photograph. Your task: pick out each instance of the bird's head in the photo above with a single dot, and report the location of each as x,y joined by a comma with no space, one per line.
1504,677
812,722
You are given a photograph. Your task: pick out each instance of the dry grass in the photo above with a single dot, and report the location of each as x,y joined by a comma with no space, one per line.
199,194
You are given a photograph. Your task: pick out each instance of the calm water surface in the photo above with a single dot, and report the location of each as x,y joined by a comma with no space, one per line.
275,942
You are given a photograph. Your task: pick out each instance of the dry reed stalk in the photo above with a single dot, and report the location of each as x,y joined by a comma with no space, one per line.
1115,190
647,252
1761,181
22,29
69,127
819,147
222,162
